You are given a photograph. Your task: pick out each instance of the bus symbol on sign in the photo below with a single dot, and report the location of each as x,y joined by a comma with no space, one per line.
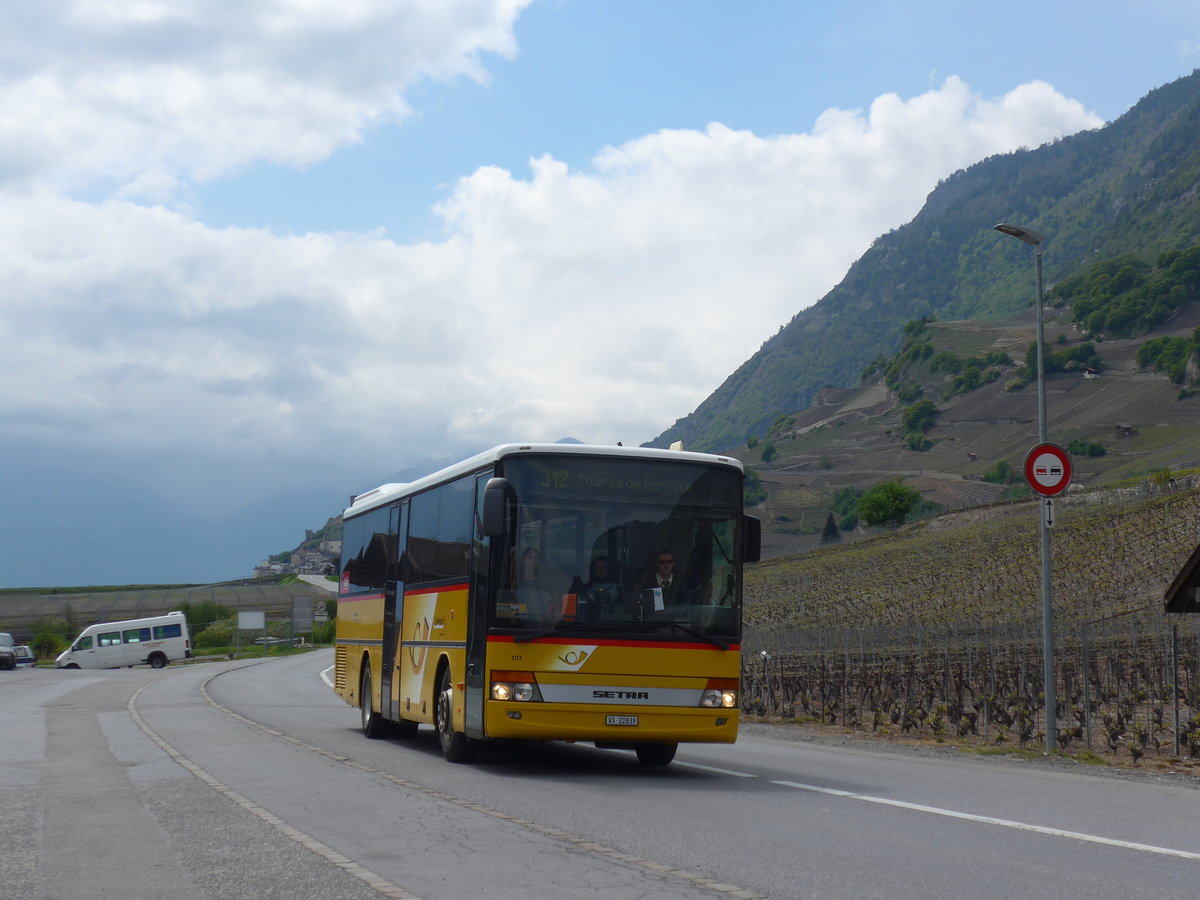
1048,469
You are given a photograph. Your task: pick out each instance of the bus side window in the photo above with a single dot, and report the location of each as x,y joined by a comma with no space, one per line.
84,643
109,639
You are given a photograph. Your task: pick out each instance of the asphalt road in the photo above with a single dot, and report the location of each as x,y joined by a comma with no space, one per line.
251,780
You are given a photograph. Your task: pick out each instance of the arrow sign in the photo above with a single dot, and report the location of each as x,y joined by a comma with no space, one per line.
1048,469
1048,511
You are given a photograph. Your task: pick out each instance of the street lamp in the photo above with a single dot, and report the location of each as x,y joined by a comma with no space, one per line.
1029,236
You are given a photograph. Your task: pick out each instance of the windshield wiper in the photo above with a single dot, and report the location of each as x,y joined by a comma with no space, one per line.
707,638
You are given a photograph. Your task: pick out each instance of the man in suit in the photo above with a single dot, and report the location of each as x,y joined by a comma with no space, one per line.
664,573
659,586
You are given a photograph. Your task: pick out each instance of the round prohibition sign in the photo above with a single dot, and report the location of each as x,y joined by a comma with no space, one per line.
1048,469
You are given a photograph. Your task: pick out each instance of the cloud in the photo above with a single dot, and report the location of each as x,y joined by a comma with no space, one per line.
215,367
601,304
138,94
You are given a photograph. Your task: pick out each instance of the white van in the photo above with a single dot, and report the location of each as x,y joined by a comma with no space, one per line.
156,640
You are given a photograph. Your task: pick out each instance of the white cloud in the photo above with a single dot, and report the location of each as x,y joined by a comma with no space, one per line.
138,93
215,365
599,304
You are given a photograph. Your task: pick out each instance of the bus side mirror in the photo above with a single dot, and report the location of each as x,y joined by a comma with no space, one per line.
752,543
495,507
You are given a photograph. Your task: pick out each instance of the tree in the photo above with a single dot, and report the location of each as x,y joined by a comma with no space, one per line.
887,503
830,532
753,493
919,417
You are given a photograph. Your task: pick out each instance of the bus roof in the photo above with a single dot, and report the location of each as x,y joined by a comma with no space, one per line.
389,493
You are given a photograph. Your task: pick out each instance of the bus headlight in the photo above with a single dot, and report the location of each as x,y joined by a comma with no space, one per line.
519,686
721,693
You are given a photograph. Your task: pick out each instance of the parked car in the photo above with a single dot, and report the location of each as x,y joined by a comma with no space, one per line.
8,651
25,655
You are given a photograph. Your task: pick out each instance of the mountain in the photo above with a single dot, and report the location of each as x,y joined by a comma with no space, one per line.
1129,188
1122,420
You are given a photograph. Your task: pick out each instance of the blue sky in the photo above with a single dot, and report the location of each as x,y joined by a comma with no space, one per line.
257,256
594,74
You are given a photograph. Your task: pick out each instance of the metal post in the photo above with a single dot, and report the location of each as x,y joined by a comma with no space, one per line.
1047,598
1048,685
1175,679
1087,688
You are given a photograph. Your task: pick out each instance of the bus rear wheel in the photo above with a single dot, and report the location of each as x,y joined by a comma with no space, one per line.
456,746
655,754
372,722
157,660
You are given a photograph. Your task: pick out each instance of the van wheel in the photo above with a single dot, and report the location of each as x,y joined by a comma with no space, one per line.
655,754
157,661
456,746
372,722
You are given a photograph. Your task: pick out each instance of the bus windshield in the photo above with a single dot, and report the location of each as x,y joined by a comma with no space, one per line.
601,545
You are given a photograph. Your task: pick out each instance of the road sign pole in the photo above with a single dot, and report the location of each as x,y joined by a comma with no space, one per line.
1048,471
1047,599
1048,680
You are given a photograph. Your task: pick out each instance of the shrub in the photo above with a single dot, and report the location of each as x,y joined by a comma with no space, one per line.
203,614
1086,448
1001,473
914,440
887,503
753,493
919,417
218,634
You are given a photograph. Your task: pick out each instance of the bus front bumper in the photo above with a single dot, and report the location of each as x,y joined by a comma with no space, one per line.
608,725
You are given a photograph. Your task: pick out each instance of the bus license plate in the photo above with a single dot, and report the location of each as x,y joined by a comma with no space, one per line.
620,720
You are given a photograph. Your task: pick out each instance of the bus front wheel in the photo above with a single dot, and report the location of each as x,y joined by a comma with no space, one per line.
372,722
655,754
456,746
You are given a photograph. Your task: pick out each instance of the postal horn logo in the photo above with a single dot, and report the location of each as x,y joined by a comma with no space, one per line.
575,657
416,655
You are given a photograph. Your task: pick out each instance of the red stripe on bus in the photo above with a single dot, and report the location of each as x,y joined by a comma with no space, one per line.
440,589
604,642
353,598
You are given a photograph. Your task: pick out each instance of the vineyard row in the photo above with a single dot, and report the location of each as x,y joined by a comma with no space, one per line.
1128,685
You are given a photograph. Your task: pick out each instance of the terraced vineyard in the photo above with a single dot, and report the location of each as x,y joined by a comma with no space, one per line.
935,629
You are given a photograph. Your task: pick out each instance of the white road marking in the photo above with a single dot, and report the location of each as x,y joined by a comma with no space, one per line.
989,820
688,765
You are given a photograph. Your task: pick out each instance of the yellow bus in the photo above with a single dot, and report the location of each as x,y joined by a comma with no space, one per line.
549,592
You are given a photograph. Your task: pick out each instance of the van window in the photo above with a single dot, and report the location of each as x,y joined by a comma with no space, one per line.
84,643
109,639
162,632
137,635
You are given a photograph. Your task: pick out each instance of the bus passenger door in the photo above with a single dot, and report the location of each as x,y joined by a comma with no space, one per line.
477,611
393,603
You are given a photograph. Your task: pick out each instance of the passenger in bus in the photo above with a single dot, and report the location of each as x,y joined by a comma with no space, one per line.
601,595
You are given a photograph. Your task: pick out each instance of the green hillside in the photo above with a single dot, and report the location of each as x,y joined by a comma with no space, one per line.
1127,189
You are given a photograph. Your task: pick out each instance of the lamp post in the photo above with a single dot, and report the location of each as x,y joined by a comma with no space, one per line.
1032,237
